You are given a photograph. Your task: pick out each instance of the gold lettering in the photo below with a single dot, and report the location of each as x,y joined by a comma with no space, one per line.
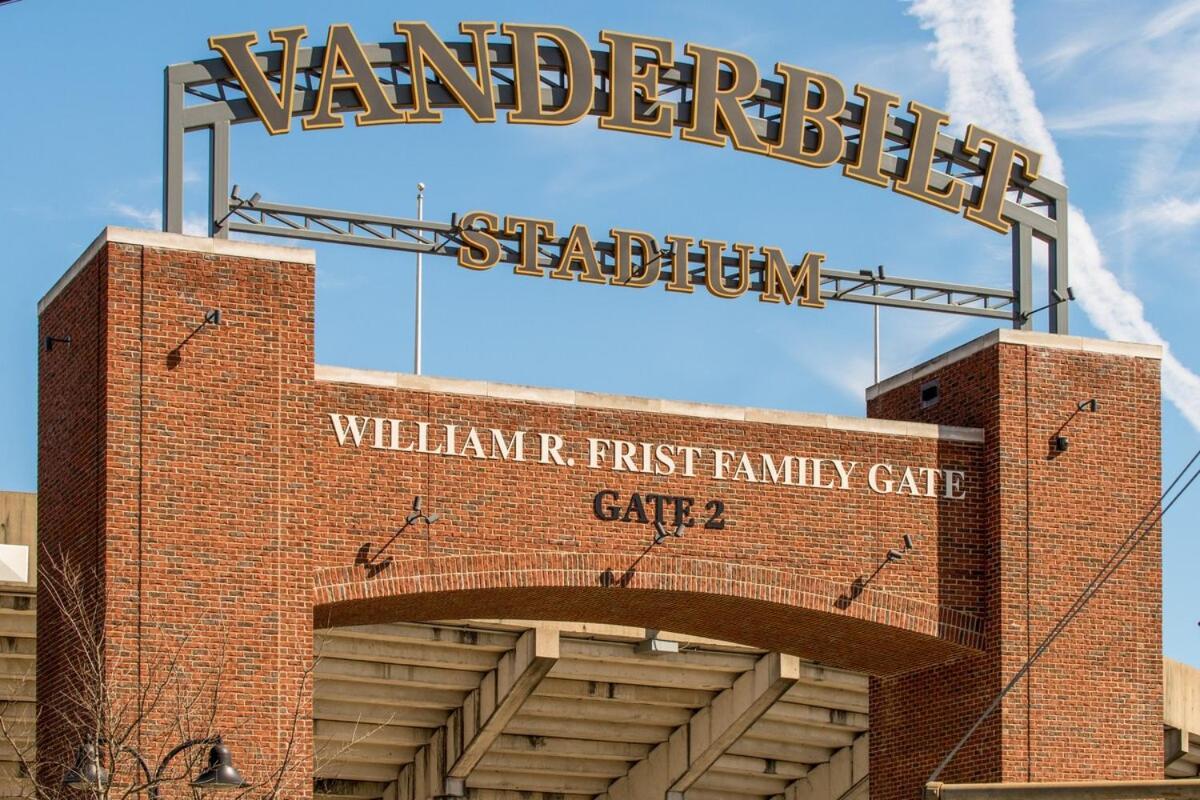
1000,162
713,106
916,183
714,268
631,87
798,114
623,274
577,64
681,278
481,249
783,284
868,154
427,51
579,249
343,54
275,110
532,232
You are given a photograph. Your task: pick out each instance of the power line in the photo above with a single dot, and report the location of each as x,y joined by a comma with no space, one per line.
1123,551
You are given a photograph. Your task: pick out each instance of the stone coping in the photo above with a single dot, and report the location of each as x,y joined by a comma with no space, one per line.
1026,338
612,402
176,241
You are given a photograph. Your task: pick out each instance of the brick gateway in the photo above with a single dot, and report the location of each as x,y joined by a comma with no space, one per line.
205,480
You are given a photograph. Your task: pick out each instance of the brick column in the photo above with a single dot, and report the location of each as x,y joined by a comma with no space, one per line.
1092,706
171,459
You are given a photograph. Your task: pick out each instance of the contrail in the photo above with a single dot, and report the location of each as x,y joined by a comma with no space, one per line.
975,45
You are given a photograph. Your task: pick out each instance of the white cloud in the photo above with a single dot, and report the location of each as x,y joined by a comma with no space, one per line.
975,44
146,218
1130,117
901,343
1171,19
193,224
1171,213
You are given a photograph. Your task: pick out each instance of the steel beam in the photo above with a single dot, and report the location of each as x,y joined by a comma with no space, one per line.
443,238
1022,271
172,216
218,181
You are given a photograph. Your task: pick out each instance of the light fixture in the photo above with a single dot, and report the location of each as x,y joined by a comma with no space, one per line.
654,645
1092,405
1056,298
895,555
417,514
1061,443
53,340
237,204
87,773
661,532
220,774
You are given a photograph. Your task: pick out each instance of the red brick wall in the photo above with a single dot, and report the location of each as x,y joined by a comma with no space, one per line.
71,517
229,512
537,515
200,516
1091,706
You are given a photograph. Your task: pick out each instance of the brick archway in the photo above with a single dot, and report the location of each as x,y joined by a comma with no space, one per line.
877,632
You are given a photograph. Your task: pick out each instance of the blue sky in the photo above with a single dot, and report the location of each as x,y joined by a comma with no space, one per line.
1114,93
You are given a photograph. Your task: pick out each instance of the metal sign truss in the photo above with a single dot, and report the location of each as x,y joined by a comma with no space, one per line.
444,239
205,96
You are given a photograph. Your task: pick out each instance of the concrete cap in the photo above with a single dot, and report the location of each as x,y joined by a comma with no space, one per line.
1009,336
177,241
612,402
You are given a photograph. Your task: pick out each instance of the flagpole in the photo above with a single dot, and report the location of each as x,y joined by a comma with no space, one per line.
420,265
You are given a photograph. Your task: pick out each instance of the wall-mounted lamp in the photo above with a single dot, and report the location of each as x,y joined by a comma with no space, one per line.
1059,441
240,202
1056,297
661,532
237,203
895,555
873,275
417,514
53,340
211,317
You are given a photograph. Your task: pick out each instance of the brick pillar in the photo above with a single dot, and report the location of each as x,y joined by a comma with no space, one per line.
169,458
1091,708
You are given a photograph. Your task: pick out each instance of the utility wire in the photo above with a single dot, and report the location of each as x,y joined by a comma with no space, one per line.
1123,551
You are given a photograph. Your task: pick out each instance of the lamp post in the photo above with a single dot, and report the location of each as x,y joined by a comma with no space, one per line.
89,774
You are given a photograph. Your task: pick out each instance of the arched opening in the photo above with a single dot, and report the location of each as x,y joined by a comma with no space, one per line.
484,677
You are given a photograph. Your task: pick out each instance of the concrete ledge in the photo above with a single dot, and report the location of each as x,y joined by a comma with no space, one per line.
1009,336
177,241
613,402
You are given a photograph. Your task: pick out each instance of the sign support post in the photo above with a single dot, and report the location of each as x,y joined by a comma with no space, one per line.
420,266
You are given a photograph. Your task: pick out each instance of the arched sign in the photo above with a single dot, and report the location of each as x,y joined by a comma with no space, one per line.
549,75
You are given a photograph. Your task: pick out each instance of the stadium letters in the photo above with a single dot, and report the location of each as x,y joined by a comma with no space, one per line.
640,88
